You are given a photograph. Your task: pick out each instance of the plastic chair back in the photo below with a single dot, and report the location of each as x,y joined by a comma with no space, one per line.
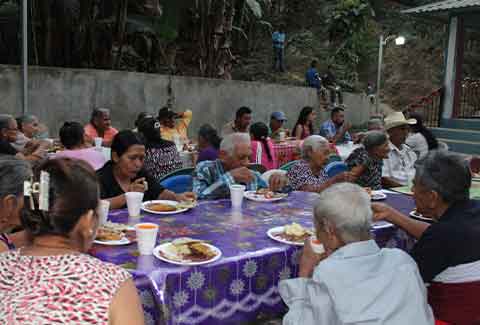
267,174
183,171
288,165
335,168
258,168
178,184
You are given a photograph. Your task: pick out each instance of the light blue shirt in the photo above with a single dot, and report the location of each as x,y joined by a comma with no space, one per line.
278,39
329,130
359,284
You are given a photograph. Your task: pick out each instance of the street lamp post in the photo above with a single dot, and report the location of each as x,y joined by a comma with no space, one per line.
24,57
399,40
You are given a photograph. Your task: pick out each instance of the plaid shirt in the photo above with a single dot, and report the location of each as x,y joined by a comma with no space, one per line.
210,181
329,130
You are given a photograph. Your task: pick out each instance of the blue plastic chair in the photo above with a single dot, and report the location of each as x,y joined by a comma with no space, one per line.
288,165
178,184
334,168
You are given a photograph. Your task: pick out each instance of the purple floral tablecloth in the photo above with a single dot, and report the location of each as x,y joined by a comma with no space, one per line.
242,285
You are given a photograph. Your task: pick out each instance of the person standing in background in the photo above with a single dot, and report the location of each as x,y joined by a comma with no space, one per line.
171,129
278,39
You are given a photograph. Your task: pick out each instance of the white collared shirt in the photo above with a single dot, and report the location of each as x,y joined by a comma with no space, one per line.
400,164
359,284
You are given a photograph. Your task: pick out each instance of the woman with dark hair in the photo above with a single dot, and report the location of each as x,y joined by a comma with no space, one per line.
53,280
208,143
421,141
140,117
13,173
126,173
161,156
100,126
263,152
72,137
304,126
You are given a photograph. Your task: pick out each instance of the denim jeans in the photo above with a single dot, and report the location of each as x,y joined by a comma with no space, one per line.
278,59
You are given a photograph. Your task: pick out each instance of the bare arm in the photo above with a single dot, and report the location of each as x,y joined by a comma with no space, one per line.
298,132
126,308
387,182
358,171
413,227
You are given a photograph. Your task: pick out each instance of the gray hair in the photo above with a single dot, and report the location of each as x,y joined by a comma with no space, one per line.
347,207
5,120
313,143
445,173
13,173
374,139
375,124
230,141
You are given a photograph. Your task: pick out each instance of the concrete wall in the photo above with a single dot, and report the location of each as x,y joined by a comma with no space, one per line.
57,95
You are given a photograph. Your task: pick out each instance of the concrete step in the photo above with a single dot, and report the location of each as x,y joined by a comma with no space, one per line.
468,124
457,134
466,147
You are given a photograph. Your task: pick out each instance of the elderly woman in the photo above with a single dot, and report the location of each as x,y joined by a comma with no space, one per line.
354,281
53,280
13,172
100,126
448,251
308,174
28,128
366,162
126,173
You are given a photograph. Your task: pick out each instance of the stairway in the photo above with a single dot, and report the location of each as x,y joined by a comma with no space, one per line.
461,135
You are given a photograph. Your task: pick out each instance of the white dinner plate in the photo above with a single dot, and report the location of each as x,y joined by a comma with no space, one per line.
253,196
278,230
175,260
378,196
414,214
174,203
121,242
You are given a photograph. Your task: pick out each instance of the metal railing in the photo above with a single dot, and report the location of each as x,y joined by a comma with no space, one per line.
430,107
469,99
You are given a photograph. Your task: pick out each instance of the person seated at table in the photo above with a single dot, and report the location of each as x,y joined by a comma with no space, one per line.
277,120
353,281
243,118
336,128
174,125
8,136
308,173
100,126
398,168
208,143
28,128
212,179
13,173
263,152
304,126
448,250
161,156
366,162
53,279
126,173
72,137
421,140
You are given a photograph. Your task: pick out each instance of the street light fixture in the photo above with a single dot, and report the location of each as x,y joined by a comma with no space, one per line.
399,41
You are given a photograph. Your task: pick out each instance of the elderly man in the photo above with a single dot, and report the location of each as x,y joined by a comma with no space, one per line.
277,120
308,174
8,136
211,179
173,125
354,281
100,126
336,129
398,168
243,118
447,251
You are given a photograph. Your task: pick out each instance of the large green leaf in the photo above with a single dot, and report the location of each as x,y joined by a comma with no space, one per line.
255,7
9,9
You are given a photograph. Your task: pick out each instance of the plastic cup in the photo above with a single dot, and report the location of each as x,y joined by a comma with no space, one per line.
134,203
282,136
102,211
236,195
146,237
98,142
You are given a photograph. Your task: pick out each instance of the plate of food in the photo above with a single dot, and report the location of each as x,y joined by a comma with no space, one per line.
167,207
293,234
416,215
111,237
264,195
187,251
375,195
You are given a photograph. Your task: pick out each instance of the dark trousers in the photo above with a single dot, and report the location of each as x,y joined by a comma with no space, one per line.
278,59
334,93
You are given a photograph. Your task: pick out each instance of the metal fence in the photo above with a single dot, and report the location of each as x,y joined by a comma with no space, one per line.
430,107
469,99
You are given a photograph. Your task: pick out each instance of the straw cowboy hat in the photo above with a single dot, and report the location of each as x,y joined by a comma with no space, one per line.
397,119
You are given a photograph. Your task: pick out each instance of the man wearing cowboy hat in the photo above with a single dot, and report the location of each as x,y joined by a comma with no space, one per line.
398,168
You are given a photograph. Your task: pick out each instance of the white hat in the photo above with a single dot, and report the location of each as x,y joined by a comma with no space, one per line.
397,119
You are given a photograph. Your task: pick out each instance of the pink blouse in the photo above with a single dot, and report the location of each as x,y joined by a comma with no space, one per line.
259,155
93,156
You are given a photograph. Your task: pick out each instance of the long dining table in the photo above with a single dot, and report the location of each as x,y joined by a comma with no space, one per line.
242,286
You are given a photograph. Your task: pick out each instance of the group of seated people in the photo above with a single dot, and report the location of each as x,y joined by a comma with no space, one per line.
384,286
